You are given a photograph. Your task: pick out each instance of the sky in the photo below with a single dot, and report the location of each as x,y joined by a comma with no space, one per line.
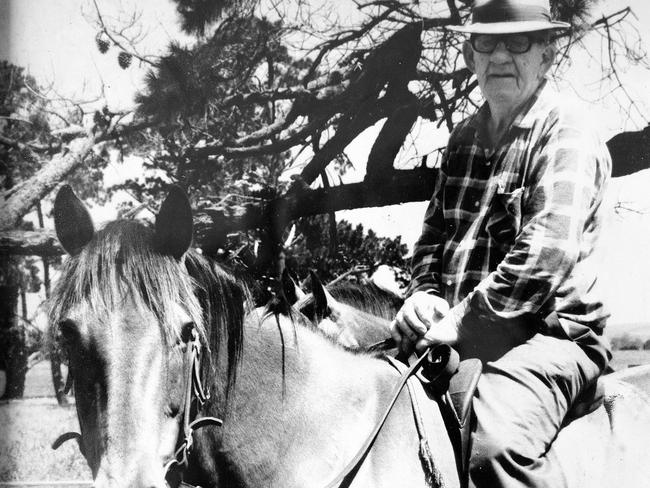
54,41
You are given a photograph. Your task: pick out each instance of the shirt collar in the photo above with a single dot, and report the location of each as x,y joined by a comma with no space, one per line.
536,108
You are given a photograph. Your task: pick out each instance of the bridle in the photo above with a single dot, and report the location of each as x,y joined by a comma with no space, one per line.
194,397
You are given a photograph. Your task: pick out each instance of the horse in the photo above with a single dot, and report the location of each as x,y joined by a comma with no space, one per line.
169,360
357,316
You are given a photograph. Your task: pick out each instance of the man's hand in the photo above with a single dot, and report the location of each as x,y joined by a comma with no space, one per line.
417,316
443,332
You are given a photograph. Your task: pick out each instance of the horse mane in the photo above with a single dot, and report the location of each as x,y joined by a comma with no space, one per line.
368,297
225,300
121,260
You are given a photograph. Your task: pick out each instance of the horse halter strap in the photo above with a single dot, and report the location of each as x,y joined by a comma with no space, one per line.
193,391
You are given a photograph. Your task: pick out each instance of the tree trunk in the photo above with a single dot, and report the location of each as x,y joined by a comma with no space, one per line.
55,357
13,343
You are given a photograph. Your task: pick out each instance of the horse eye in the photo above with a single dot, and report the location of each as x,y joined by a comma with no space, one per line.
68,330
187,332
67,339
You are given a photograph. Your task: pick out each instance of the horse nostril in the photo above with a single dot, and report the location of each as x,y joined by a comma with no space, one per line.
172,411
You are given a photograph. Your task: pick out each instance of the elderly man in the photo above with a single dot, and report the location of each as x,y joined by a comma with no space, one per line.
505,268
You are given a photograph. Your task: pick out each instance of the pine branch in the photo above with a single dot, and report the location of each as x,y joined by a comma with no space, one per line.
15,144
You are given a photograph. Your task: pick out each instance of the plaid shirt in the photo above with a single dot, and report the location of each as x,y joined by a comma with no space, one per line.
511,231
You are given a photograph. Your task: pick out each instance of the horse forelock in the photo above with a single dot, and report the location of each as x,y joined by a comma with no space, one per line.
121,261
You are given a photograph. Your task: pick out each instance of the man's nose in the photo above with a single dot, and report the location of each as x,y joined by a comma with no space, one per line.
500,52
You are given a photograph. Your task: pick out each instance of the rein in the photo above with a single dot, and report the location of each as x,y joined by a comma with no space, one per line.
439,363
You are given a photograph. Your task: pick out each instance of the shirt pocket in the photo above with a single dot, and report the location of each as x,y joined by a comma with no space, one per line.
504,220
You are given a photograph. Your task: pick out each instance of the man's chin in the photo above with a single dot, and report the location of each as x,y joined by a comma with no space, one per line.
504,81
502,90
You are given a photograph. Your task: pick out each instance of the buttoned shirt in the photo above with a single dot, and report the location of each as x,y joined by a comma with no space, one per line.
511,231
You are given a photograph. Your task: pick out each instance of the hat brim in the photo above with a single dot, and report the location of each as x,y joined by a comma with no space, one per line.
509,27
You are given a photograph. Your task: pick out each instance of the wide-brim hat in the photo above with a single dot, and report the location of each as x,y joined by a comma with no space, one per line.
509,17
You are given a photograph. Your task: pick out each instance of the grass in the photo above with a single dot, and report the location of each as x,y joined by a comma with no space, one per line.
27,430
29,426
625,359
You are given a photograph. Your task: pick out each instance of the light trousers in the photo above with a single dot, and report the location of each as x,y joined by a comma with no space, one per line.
528,385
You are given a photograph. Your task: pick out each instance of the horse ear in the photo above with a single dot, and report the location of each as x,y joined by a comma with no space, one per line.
323,300
174,227
291,291
72,222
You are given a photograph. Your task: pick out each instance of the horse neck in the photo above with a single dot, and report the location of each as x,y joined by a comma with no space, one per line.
290,388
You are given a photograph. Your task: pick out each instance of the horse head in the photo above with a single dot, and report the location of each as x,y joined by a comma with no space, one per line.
126,311
356,316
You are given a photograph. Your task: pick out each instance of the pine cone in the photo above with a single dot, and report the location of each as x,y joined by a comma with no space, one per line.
124,59
102,44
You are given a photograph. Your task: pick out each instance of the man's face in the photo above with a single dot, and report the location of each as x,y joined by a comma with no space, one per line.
508,79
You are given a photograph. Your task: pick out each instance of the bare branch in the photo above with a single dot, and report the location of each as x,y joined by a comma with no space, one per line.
129,49
341,40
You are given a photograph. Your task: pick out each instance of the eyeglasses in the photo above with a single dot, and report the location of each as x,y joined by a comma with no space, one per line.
514,43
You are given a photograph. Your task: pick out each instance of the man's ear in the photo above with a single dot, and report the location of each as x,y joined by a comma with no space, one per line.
468,55
548,56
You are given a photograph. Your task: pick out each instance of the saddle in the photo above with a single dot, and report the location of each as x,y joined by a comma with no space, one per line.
453,383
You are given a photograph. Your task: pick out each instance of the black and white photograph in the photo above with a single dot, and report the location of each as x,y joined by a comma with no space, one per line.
324,243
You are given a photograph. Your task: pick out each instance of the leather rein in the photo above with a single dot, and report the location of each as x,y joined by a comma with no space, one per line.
441,360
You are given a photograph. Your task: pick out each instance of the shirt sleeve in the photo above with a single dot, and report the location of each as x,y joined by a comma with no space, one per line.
564,191
426,263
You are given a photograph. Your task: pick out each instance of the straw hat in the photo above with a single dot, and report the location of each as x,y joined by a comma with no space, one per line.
509,17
